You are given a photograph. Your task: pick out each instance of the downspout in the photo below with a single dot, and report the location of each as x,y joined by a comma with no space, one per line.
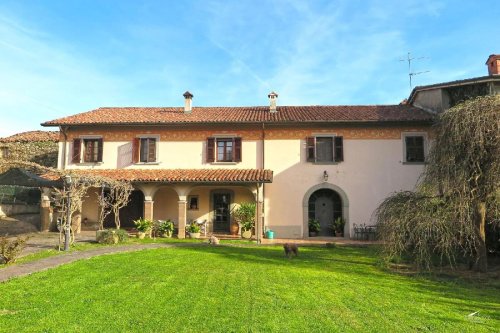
65,134
262,184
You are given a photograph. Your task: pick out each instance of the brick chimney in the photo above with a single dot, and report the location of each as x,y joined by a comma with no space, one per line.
188,98
493,64
272,101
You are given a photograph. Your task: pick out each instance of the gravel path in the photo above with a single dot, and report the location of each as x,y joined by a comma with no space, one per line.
51,262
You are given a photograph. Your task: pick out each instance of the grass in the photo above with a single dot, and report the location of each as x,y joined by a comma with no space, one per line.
242,289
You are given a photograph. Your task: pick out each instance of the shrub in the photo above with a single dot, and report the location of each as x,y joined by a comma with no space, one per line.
10,250
193,228
112,236
245,215
143,225
314,225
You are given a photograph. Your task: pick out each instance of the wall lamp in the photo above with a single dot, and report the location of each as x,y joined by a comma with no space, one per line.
325,176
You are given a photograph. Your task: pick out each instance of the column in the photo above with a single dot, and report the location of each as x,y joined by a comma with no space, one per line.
148,207
45,210
182,216
259,216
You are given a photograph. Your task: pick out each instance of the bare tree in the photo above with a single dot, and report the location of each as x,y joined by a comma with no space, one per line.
119,196
459,192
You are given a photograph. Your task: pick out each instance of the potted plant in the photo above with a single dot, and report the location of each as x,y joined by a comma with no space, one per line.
314,227
165,228
339,225
245,216
143,227
193,230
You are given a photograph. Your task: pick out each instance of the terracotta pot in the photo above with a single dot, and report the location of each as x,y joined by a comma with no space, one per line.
234,228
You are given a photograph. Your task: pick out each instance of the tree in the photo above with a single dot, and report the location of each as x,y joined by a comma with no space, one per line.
119,196
458,194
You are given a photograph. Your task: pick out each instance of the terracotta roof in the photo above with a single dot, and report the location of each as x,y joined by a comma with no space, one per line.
32,136
257,114
181,175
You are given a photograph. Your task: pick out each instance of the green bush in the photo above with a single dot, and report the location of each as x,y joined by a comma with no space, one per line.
112,236
193,228
143,225
245,215
314,225
10,250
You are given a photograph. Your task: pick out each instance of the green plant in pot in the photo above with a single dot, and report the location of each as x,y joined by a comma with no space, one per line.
314,227
166,228
338,225
143,226
193,230
244,214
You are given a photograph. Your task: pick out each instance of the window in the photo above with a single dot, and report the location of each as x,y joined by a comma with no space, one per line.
92,150
148,150
193,202
223,150
325,149
414,148
144,150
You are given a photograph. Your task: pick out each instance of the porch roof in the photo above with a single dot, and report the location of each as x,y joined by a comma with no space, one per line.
184,175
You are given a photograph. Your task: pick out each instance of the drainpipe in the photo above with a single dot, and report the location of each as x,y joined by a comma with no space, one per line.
262,184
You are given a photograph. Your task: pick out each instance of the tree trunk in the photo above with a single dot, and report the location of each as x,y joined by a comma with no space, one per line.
480,223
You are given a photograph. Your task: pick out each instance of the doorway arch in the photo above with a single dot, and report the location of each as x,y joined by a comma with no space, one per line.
326,201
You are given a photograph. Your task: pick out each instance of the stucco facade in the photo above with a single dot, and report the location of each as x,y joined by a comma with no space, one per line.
373,167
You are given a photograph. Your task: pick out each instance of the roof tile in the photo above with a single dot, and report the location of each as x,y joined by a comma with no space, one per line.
182,175
256,114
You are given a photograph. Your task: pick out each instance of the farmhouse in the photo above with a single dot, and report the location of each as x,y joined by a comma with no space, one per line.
295,162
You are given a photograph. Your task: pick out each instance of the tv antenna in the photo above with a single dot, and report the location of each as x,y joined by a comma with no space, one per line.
411,74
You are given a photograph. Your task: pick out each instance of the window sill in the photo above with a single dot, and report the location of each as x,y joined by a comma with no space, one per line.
224,163
325,163
414,163
147,163
88,163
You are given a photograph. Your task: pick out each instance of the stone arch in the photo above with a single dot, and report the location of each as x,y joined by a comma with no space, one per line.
305,206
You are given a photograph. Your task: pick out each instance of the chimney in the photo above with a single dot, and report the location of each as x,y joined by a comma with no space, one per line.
272,101
493,64
187,102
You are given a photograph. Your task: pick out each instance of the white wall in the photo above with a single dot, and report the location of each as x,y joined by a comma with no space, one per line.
371,170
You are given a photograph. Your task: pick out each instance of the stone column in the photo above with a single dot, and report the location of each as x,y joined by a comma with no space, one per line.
182,217
148,208
45,210
259,216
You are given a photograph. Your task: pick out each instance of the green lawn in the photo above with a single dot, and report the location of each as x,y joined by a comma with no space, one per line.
242,289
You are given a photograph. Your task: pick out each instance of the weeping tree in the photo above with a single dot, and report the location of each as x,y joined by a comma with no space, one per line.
458,196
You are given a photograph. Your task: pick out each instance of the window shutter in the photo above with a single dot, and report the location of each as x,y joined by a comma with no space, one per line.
237,150
99,150
76,151
152,150
210,150
135,150
310,149
339,149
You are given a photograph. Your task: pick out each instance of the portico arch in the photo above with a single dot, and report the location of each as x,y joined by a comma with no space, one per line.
305,205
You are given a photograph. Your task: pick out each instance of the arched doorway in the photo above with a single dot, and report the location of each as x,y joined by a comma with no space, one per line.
339,196
325,205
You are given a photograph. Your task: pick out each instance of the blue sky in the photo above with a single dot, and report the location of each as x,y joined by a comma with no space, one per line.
61,57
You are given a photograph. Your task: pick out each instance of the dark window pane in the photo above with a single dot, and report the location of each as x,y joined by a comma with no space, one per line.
414,149
324,149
